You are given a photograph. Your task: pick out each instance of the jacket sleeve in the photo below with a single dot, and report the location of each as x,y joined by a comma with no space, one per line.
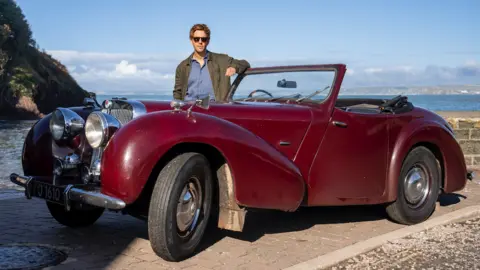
177,88
240,65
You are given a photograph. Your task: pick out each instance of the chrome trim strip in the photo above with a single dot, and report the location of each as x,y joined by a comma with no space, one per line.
138,108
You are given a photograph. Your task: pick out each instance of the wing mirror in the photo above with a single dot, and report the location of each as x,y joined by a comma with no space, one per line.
91,100
202,102
88,102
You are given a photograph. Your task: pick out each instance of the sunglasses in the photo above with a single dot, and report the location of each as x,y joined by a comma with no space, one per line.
204,39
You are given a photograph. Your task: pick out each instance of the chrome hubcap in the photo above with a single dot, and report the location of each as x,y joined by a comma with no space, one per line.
188,207
416,185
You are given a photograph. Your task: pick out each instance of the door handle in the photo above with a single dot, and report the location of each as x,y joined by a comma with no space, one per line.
340,124
284,143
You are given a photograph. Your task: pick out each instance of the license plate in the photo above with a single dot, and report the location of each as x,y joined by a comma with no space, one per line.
47,192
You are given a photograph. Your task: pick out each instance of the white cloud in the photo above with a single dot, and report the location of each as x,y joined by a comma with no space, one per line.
471,63
120,73
373,70
141,73
74,56
125,68
468,73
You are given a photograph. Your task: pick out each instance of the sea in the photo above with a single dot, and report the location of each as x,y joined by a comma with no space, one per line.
12,133
461,102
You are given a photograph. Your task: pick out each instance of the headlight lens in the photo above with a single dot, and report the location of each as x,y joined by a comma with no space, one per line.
57,124
94,130
65,124
99,128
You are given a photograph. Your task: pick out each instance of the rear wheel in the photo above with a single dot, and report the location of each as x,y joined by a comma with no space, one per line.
76,217
418,188
180,207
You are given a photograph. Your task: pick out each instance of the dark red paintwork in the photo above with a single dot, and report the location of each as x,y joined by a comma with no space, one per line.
268,180
324,164
423,126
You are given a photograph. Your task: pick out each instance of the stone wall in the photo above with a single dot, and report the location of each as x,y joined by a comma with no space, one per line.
467,132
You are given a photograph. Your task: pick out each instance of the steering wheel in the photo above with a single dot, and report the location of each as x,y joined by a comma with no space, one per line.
259,90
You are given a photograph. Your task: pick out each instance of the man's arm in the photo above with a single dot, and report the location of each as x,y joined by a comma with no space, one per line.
177,89
239,65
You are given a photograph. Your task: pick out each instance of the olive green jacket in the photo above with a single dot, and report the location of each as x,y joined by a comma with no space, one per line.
217,66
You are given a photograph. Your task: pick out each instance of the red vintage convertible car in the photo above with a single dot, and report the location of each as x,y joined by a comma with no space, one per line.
281,139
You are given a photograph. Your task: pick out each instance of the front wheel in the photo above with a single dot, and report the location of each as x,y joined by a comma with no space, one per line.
180,206
418,188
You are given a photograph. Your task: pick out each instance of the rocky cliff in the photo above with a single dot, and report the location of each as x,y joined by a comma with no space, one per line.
32,83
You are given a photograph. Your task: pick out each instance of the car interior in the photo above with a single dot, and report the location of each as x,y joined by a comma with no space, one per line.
395,105
398,104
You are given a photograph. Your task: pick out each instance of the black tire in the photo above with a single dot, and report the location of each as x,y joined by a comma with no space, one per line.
165,236
75,218
408,213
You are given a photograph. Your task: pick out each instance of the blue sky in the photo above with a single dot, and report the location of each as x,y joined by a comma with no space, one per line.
382,42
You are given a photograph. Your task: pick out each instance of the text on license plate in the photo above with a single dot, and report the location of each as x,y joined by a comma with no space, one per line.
47,192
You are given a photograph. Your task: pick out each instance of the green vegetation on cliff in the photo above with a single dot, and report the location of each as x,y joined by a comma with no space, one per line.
32,83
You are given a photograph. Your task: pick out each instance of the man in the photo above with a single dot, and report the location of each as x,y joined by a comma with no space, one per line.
205,72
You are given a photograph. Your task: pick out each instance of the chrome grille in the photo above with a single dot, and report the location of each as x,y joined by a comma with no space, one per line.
122,115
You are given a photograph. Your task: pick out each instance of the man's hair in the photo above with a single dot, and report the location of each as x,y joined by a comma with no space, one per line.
200,27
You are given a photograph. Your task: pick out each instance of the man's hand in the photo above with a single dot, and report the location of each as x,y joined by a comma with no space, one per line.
230,71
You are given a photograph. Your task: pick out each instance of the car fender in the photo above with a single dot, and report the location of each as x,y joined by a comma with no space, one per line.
39,148
262,176
421,131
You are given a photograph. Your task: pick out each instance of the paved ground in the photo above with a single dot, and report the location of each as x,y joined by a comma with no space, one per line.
459,114
271,240
452,246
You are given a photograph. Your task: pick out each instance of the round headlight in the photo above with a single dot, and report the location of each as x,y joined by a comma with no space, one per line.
94,130
57,125
65,124
99,128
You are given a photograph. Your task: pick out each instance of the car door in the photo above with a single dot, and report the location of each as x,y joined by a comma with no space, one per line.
351,163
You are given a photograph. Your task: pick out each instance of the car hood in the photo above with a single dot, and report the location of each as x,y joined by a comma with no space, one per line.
281,125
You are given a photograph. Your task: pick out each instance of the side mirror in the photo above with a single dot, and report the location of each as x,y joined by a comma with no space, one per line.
177,104
287,84
203,102
88,102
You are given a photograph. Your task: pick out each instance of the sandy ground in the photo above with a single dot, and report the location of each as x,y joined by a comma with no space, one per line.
459,114
452,246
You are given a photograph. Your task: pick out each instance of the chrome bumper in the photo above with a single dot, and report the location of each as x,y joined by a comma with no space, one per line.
66,194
